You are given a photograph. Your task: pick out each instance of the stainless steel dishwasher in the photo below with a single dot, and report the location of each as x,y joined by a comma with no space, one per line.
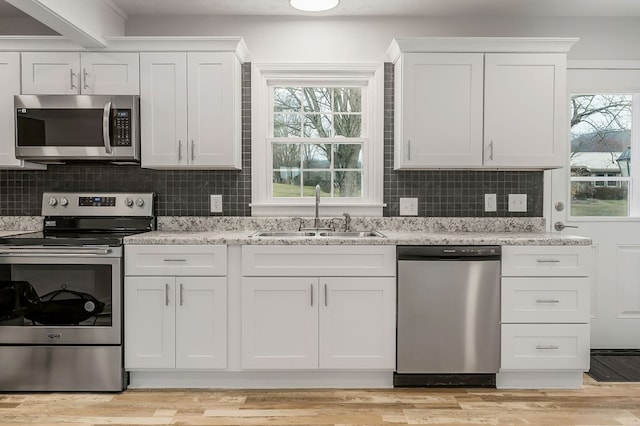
448,315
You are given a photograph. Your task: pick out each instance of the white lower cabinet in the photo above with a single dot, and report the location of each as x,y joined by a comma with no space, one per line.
545,316
175,321
310,322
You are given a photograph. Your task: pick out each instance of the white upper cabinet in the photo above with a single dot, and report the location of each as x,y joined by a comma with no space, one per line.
525,122
462,103
190,110
439,119
10,78
72,73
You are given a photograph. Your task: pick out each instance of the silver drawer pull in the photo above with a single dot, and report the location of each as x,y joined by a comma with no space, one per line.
548,261
547,301
175,260
547,347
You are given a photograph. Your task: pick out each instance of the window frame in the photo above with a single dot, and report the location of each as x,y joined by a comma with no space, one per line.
368,76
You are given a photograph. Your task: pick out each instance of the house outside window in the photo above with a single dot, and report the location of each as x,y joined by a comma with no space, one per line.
317,125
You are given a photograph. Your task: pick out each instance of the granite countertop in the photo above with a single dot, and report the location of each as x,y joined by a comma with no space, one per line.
398,231
392,238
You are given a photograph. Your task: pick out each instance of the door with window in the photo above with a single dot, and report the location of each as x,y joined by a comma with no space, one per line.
598,193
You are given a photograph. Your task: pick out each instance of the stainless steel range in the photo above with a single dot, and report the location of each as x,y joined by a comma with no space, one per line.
61,291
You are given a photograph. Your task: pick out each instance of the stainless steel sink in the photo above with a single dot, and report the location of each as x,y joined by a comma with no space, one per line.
352,234
308,234
287,234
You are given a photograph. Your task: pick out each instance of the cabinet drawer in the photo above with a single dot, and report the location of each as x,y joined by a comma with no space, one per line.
545,347
326,261
546,261
153,260
545,300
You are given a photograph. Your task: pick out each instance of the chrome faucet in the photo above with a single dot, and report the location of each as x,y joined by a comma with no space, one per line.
316,222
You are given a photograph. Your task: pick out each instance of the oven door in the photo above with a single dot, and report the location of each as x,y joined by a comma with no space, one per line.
61,296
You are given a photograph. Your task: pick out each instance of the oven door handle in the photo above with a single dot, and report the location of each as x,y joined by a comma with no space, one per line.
54,251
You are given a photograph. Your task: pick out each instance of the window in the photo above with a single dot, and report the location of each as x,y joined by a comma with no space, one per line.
601,131
317,140
317,125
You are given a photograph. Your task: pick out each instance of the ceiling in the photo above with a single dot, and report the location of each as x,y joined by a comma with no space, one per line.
580,8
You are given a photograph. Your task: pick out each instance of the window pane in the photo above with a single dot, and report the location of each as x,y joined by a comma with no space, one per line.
286,183
347,156
348,126
311,179
286,125
286,99
347,99
595,199
600,133
316,156
316,99
347,184
317,126
286,155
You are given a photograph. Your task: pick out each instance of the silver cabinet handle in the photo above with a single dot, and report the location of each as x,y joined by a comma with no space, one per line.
547,347
409,150
311,291
547,301
175,260
193,147
181,295
491,151
71,77
559,226
548,261
325,295
106,136
166,294
179,150
84,79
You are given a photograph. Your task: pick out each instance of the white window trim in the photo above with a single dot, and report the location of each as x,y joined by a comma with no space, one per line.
262,75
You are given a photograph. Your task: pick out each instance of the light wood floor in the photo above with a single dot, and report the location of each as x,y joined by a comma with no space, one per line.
595,404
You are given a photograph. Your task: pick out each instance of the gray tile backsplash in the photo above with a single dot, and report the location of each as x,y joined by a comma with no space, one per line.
186,192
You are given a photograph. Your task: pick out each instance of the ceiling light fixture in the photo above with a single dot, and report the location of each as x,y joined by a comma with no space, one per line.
314,5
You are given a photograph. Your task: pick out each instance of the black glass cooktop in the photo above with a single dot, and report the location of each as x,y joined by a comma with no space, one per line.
112,239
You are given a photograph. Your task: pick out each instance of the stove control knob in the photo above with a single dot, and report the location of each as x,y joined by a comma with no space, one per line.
53,202
64,202
128,202
139,202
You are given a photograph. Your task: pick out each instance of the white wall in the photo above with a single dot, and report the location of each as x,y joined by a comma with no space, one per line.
20,26
286,39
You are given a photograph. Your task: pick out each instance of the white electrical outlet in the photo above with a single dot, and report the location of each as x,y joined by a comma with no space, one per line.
216,203
490,203
408,207
517,202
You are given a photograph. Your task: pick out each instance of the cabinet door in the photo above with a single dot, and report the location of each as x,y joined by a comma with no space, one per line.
50,73
279,323
10,77
149,318
439,110
163,109
110,73
214,110
524,110
357,323
201,322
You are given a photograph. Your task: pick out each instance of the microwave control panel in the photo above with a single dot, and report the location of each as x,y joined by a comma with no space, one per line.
122,127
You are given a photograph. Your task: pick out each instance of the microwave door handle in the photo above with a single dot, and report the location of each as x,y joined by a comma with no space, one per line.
106,114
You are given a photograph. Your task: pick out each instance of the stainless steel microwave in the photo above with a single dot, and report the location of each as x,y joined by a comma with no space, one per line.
54,128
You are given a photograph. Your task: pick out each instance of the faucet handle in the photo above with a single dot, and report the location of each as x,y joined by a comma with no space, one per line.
347,222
